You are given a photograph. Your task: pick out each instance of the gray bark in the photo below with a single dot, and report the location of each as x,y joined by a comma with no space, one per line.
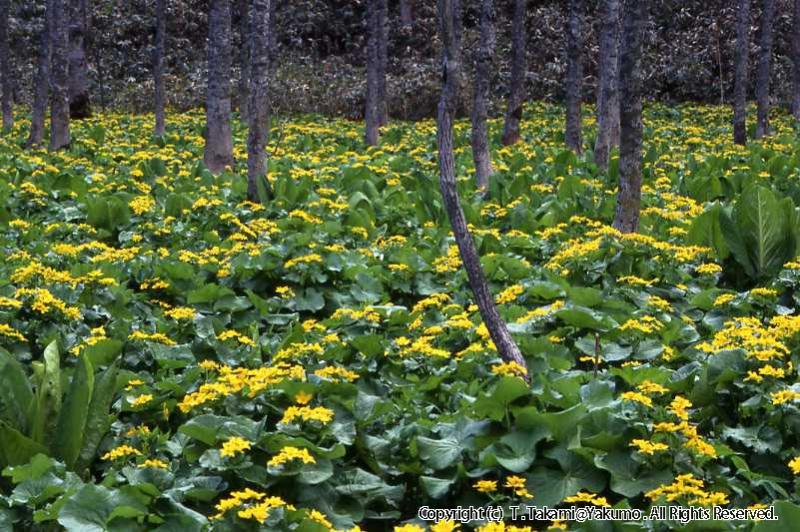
5,68
383,60
574,75
158,67
763,71
42,82
796,60
219,142
483,65
372,111
608,94
59,78
259,116
244,59
630,85
516,97
450,28
740,75
79,97
406,13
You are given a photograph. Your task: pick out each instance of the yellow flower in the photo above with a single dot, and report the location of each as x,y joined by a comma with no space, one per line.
288,454
794,465
154,464
637,398
485,486
234,446
646,447
123,451
140,400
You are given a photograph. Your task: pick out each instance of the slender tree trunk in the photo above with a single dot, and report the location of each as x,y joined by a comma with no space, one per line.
79,100
450,27
59,78
42,81
630,85
796,61
406,13
372,111
383,61
763,72
740,82
258,118
219,142
244,59
516,97
574,75
158,66
607,94
483,66
5,68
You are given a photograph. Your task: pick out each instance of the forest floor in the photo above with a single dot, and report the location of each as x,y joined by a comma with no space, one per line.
189,359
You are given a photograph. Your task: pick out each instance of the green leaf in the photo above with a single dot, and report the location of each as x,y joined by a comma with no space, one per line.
48,396
439,454
92,507
98,419
74,412
16,396
16,448
436,487
788,515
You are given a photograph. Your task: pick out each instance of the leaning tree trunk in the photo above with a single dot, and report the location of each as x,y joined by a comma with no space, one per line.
372,111
258,118
383,60
59,78
740,82
574,75
79,100
607,94
762,74
450,27
158,67
219,142
244,59
42,83
516,96
796,61
406,13
483,66
5,68
630,88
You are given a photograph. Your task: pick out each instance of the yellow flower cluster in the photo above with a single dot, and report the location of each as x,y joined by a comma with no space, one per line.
510,294
306,413
688,486
509,369
44,302
288,454
253,505
648,447
591,498
123,451
233,446
337,373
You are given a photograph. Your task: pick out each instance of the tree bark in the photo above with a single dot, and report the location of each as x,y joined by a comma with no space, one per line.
79,98
383,61
630,85
450,28
372,111
763,72
42,81
219,142
574,75
483,65
516,97
59,78
158,67
259,116
607,94
406,13
244,59
5,68
796,61
740,81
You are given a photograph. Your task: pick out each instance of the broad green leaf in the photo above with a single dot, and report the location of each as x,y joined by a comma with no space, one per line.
74,413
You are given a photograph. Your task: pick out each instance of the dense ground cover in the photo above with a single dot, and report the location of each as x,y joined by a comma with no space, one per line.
189,359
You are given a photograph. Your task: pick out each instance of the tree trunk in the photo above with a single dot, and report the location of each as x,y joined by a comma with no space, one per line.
516,96
372,111
406,13
244,59
219,142
630,86
42,81
158,66
79,100
5,68
59,78
762,74
574,75
607,94
383,60
796,61
483,66
740,82
258,118
450,27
